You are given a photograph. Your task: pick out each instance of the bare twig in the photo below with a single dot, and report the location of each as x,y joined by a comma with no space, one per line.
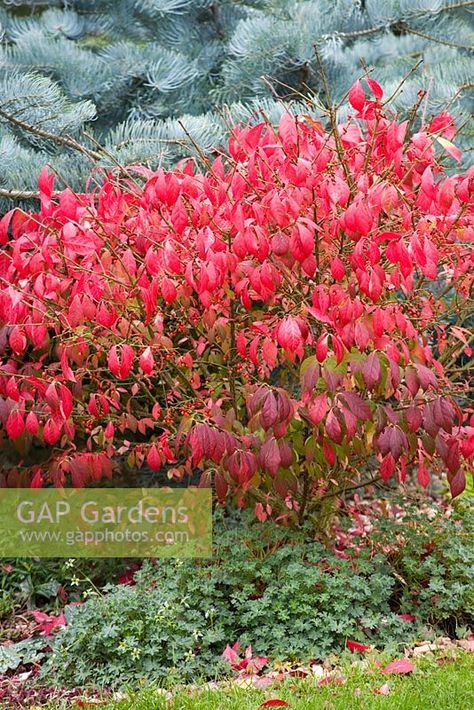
60,140
333,120
20,194
433,38
405,78
383,28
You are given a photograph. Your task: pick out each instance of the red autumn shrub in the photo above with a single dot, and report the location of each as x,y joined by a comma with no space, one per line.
287,321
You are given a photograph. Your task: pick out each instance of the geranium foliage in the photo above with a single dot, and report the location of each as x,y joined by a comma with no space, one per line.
289,320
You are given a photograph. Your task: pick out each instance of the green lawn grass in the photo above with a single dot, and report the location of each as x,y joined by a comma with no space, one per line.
447,686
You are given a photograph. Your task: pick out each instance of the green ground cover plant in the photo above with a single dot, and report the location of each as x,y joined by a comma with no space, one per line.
288,596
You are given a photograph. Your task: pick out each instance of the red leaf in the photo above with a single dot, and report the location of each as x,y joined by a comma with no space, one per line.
127,360
15,425
120,366
450,148
109,431
32,423
221,486
356,646
329,453
75,312
426,377
153,458
269,411
287,130
333,428
387,467
337,269
414,418
357,405
17,341
372,371
443,124
269,352
403,665
322,348
357,96
230,653
289,334
45,183
317,410
106,315
37,480
423,475
52,398
47,624
458,483
66,401
147,361
375,88
168,290
412,380
407,617
113,361
269,457
67,372
51,432
274,703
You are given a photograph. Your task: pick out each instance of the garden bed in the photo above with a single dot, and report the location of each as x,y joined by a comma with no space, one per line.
391,576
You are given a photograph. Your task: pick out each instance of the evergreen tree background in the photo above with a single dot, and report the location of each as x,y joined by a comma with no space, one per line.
147,81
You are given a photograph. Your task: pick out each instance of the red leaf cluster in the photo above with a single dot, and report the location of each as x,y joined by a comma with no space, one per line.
47,624
248,664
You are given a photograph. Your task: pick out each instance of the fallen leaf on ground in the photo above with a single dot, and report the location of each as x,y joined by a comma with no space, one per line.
330,679
383,690
47,624
275,703
356,646
299,672
402,665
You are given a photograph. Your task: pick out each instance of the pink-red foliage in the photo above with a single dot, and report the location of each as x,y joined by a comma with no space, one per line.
279,320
